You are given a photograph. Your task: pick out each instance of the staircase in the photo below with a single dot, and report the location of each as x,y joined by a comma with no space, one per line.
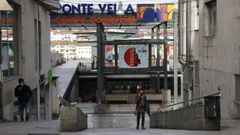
112,115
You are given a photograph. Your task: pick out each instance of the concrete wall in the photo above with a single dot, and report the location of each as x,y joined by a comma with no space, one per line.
55,100
27,55
218,55
190,118
74,90
189,28
71,94
72,119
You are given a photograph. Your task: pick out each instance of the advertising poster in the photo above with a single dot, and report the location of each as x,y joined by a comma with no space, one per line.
169,54
165,12
135,56
109,56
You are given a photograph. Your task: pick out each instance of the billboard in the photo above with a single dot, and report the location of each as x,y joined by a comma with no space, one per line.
86,13
134,56
165,12
145,12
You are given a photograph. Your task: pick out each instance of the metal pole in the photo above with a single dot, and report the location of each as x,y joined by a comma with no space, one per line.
150,49
175,59
39,64
165,57
149,55
100,64
158,48
187,32
116,56
158,60
67,48
152,33
1,111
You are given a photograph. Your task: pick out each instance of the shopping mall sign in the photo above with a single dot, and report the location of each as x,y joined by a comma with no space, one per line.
142,13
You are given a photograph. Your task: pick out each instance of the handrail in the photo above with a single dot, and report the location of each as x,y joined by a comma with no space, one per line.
63,101
218,93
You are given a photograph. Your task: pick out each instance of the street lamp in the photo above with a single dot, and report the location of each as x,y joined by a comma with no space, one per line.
120,10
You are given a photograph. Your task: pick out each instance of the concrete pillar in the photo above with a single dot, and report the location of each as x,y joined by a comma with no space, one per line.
55,101
190,94
175,64
1,106
166,96
181,77
38,103
48,102
100,93
165,58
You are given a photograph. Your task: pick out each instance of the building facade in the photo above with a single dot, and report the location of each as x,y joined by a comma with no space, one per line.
25,52
209,51
66,43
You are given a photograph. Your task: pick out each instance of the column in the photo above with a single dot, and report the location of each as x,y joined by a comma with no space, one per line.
100,93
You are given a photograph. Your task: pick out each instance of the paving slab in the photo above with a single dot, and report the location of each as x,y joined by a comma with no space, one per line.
229,127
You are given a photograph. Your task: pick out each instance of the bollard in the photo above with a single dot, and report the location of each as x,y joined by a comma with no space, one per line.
166,96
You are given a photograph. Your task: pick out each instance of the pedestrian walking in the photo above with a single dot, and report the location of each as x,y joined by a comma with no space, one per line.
23,93
141,101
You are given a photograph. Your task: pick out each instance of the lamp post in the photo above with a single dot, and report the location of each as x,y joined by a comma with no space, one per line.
120,10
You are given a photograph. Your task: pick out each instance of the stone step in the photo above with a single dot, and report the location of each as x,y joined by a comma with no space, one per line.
90,108
114,121
113,115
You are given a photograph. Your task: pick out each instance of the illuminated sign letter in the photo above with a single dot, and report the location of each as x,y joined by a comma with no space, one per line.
84,8
90,8
129,9
77,8
111,8
102,7
66,9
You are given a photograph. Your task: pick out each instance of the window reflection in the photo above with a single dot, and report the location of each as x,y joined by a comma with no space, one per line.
8,45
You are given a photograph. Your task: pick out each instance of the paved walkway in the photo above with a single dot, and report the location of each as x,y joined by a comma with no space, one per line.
229,127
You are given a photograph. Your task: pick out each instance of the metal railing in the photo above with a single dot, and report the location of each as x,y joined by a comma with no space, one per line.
189,103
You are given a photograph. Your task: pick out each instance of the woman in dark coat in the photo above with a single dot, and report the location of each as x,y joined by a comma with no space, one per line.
141,101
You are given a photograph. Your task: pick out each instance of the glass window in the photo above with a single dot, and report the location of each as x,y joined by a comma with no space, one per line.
157,54
237,85
8,43
212,18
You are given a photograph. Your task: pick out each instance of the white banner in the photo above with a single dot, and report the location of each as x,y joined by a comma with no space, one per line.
134,56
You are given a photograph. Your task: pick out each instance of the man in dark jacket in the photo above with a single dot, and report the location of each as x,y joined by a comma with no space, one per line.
23,93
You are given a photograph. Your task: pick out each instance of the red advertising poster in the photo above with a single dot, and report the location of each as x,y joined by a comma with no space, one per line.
135,56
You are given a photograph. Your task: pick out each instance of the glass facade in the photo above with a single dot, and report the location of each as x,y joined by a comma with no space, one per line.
8,43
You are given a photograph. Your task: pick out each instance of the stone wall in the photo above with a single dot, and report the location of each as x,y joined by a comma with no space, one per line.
72,119
192,118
